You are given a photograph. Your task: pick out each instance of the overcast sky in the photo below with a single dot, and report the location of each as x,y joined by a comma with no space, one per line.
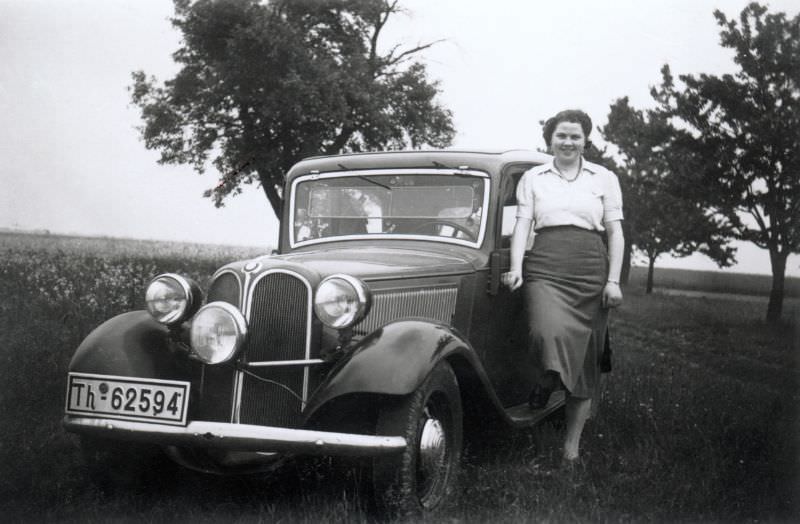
71,160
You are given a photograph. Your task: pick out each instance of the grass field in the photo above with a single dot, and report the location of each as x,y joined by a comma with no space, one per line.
698,421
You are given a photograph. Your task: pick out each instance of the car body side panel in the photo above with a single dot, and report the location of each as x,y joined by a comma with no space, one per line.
130,345
395,359
501,339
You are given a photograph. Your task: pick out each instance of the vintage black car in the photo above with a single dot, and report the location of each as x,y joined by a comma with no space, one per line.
378,328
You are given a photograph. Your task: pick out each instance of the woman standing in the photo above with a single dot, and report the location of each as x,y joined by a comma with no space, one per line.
570,278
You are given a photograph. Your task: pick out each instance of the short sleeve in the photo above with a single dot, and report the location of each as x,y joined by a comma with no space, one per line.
612,199
525,197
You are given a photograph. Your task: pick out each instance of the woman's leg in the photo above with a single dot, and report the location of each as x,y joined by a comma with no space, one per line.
577,411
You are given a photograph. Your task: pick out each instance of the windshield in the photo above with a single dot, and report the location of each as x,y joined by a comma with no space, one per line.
447,207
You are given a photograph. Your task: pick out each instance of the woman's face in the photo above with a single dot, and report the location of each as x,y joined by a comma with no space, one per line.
567,142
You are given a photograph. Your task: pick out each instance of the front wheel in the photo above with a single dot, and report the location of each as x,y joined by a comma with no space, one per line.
422,476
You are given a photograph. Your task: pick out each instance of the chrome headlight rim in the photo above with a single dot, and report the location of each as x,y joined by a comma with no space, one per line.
238,321
192,299
363,296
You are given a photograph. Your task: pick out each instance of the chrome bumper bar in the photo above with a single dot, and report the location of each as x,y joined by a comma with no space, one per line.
240,437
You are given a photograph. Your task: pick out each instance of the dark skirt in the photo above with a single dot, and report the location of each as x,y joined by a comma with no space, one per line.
565,274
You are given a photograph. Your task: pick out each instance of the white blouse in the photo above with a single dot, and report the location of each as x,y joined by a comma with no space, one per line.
589,201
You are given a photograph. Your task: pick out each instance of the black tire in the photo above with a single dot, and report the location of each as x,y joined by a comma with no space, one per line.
120,467
420,478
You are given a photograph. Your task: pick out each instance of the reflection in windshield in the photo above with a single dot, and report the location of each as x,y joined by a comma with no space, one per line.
405,205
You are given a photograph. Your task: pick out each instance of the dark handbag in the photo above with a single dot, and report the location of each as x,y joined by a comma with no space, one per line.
605,357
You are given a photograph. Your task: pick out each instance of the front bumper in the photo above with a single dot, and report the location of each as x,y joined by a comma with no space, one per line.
239,437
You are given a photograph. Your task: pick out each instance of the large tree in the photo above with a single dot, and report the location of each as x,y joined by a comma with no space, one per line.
263,84
663,214
746,126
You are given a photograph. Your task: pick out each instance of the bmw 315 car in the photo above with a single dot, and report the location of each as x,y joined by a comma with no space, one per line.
378,328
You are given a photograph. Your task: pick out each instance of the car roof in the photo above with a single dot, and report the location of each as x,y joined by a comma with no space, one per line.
488,161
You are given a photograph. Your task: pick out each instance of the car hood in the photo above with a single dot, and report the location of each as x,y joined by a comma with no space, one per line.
367,263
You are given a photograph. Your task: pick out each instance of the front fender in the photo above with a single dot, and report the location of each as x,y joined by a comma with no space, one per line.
393,360
130,345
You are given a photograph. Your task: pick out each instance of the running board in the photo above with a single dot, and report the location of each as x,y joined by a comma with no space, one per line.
522,415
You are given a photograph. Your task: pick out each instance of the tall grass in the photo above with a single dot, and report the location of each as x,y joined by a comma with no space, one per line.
698,420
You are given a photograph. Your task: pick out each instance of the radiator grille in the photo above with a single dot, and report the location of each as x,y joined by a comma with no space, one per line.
433,303
278,319
216,394
226,289
278,330
271,403
216,398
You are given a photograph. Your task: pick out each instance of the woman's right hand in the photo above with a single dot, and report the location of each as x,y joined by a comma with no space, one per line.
513,279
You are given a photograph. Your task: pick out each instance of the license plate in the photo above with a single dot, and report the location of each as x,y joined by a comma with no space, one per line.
127,398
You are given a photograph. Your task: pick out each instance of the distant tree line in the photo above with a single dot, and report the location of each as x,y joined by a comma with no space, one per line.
264,84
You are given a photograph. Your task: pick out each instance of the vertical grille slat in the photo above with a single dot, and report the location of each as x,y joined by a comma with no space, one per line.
433,303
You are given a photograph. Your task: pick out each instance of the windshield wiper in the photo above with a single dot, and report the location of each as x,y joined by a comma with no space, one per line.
374,182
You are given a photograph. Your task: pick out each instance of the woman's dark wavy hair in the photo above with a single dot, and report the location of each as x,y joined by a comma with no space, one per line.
574,116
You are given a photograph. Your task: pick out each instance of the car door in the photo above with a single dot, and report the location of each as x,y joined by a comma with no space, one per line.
505,351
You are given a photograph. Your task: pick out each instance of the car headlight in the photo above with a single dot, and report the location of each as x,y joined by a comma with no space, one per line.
171,298
342,301
217,333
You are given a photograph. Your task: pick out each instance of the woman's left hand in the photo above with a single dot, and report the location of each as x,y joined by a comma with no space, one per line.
612,295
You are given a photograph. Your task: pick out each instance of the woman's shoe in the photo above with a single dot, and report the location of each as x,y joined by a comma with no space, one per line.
539,396
570,465
571,471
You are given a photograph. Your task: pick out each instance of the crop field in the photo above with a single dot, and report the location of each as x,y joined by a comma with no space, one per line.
712,282
699,420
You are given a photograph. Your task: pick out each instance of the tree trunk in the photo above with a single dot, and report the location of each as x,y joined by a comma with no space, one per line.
341,140
778,263
273,197
650,271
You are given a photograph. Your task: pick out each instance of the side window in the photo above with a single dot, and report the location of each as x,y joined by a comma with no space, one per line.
508,215
508,220
509,208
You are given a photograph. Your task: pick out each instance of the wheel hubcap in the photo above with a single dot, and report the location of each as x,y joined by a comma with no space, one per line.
432,459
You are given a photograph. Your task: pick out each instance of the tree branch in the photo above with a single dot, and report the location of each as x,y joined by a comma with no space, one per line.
377,27
395,60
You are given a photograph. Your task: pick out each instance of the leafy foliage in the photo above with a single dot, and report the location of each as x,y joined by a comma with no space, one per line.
664,215
745,128
262,85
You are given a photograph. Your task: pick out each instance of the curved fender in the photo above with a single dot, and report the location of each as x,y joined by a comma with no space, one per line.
393,360
131,344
